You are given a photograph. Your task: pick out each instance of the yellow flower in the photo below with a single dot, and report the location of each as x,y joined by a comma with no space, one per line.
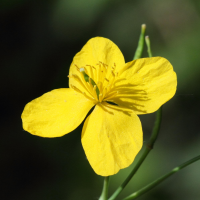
98,76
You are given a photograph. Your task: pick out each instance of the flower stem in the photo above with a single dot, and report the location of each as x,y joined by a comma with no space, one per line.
159,180
148,148
147,40
104,194
138,52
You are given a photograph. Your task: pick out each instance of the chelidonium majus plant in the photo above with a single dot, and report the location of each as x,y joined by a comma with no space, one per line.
118,92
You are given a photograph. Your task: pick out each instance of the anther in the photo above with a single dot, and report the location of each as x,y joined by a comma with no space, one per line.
113,73
106,79
77,67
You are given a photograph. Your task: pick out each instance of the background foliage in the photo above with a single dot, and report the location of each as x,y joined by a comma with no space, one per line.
38,41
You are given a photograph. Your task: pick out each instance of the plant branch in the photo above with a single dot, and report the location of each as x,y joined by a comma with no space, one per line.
159,180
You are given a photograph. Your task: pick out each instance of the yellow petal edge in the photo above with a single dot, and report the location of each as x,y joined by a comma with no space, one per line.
111,138
153,83
55,113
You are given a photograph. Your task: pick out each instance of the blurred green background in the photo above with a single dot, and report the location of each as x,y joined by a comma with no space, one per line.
38,40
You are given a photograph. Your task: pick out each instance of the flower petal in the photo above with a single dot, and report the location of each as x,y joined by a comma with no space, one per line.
95,50
55,113
111,138
146,84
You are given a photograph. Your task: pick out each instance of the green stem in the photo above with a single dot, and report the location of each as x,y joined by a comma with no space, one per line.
148,46
148,148
159,180
138,52
104,194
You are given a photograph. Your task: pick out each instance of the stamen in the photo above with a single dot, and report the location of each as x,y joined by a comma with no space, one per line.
113,73
91,73
97,81
100,97
111,95
75,88
83,82
85,70
77,67
100,86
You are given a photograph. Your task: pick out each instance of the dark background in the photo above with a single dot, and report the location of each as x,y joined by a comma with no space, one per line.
38,39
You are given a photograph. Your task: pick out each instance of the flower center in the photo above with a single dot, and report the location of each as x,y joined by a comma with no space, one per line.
98,81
